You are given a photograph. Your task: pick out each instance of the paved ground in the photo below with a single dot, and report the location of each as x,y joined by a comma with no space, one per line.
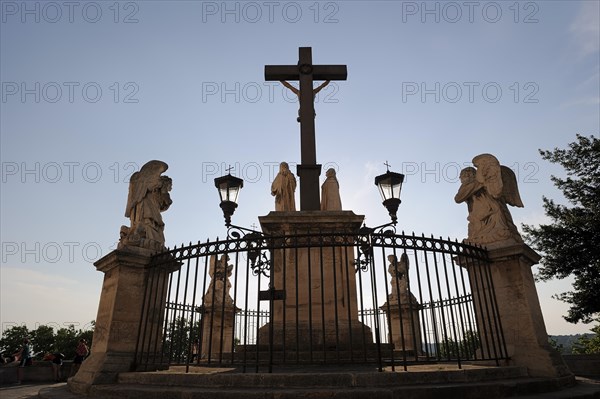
24,391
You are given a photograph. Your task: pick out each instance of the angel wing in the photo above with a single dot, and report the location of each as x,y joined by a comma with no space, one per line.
510,190
213,265
404,261
142,181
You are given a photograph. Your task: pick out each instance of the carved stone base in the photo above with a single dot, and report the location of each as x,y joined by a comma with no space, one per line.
305,336
405,331
217,332
319,283
118,320
520,311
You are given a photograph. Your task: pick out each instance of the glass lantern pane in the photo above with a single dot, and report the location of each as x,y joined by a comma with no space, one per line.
228,193
385,189
396,190
233,194
223,191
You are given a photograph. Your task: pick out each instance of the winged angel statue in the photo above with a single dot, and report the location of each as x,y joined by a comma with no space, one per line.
148,197
220,285
487,191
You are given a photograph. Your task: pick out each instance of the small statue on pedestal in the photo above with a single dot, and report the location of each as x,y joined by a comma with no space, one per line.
218,290
284,189
330,192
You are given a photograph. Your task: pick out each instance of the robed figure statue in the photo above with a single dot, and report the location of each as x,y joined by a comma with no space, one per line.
284,188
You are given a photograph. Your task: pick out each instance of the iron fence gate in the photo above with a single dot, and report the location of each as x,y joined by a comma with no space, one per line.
253,301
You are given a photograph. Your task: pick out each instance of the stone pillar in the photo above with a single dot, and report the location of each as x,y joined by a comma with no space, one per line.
319,284
119,314
217,331
519,309
403,322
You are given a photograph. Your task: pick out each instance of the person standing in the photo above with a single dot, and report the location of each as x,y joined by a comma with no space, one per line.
80,354
24,356
57,362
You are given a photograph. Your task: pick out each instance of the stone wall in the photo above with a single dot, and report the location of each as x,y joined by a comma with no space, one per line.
584,365
40,371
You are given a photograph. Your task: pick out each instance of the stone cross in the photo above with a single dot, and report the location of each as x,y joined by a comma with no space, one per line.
306,72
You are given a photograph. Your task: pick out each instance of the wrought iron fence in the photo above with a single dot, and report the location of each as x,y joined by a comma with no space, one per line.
256,301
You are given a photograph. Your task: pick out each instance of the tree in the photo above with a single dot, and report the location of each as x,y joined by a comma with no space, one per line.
555,345
569,244
465,348
586,345
43,340
66,341
180,336
12,339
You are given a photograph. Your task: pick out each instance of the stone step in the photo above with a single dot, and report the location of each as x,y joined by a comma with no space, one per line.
585,389
525,388
319,376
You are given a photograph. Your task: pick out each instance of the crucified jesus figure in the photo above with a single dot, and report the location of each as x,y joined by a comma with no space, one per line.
297,92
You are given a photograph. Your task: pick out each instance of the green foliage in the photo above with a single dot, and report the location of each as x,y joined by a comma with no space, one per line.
555,345
44,340
179,338
588,345
570,243
12,339
466,348
66,341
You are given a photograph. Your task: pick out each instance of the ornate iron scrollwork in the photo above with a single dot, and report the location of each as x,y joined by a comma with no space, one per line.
364,244
365,249
254,240
259,261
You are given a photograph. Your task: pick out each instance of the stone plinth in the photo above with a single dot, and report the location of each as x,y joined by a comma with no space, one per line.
320,306
119,314
403,322
217,331
518,307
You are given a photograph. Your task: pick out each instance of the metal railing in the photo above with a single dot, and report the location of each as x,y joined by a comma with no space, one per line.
367,298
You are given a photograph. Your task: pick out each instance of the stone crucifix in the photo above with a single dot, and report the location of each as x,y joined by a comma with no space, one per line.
308,171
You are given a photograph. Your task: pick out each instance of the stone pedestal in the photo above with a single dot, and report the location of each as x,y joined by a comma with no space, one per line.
518,308
403,323
320,307
217,331
119,314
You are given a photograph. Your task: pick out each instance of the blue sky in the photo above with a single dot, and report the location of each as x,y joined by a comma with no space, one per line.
93,90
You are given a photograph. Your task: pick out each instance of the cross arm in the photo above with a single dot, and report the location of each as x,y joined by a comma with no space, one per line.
281,72
330,72
319,72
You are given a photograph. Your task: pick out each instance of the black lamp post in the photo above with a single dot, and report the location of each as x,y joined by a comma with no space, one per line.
390,185
229,188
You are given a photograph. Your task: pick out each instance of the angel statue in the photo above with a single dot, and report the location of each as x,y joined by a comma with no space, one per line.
487,190
398,270
148,197
218,290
